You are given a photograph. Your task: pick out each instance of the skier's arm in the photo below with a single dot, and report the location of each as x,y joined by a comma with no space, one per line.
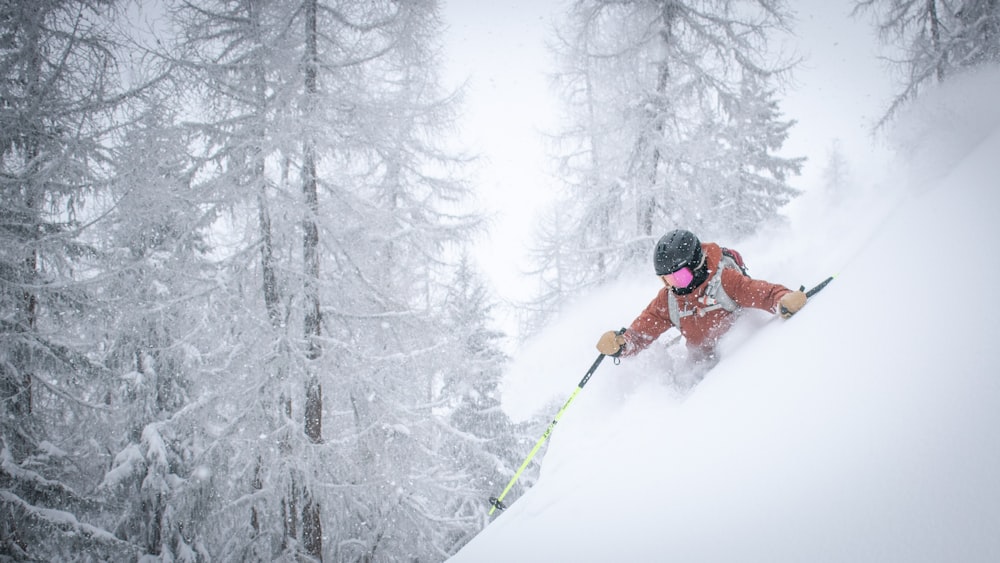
748,292
648,326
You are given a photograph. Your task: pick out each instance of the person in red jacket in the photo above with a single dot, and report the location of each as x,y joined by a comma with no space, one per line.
704,290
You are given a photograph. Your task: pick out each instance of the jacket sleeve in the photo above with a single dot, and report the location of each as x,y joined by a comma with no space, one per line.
748,292
648,326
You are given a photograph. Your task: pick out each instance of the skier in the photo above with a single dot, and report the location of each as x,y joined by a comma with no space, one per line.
705,287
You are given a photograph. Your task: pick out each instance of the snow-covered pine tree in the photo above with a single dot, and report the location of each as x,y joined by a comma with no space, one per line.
385,298
837,180
936,39
666,98
154,335
239,65
558,269
750,180
324,158
976,37
60,97
481,441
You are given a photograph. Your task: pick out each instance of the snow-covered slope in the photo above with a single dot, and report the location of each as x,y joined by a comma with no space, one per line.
865,429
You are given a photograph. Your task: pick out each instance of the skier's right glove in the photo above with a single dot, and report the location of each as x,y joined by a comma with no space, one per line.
791,302
611,344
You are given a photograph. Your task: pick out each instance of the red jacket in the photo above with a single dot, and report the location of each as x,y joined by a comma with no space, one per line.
702,331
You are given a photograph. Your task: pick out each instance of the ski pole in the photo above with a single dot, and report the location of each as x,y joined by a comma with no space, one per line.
818,287
812,291
497,502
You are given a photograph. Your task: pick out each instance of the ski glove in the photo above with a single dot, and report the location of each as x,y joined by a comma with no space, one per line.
611,344
791,302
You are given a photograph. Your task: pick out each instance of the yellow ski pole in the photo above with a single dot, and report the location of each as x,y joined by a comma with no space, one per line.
497,502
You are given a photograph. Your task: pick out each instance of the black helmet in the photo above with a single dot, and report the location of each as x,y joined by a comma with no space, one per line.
675,250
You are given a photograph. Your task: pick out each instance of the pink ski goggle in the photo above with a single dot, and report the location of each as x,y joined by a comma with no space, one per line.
680,278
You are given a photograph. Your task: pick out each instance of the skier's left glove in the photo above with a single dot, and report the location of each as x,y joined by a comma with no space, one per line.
791,302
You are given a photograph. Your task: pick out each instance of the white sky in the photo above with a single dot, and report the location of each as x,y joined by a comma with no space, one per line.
499,47
864,429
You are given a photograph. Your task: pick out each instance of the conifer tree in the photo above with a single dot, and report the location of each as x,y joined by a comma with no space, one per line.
154,335
226,291
59,115
488,445
938,38
319,145
673,124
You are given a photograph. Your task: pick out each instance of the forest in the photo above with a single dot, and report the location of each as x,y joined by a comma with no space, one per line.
239,320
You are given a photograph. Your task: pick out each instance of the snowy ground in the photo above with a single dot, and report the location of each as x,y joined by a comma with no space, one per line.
865,429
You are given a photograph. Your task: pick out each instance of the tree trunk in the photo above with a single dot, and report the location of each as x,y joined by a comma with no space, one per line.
935,30
648,208
312,527
16,382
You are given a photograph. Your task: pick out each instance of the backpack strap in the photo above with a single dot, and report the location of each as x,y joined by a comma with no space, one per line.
715,295
737,259
673,309
715,289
